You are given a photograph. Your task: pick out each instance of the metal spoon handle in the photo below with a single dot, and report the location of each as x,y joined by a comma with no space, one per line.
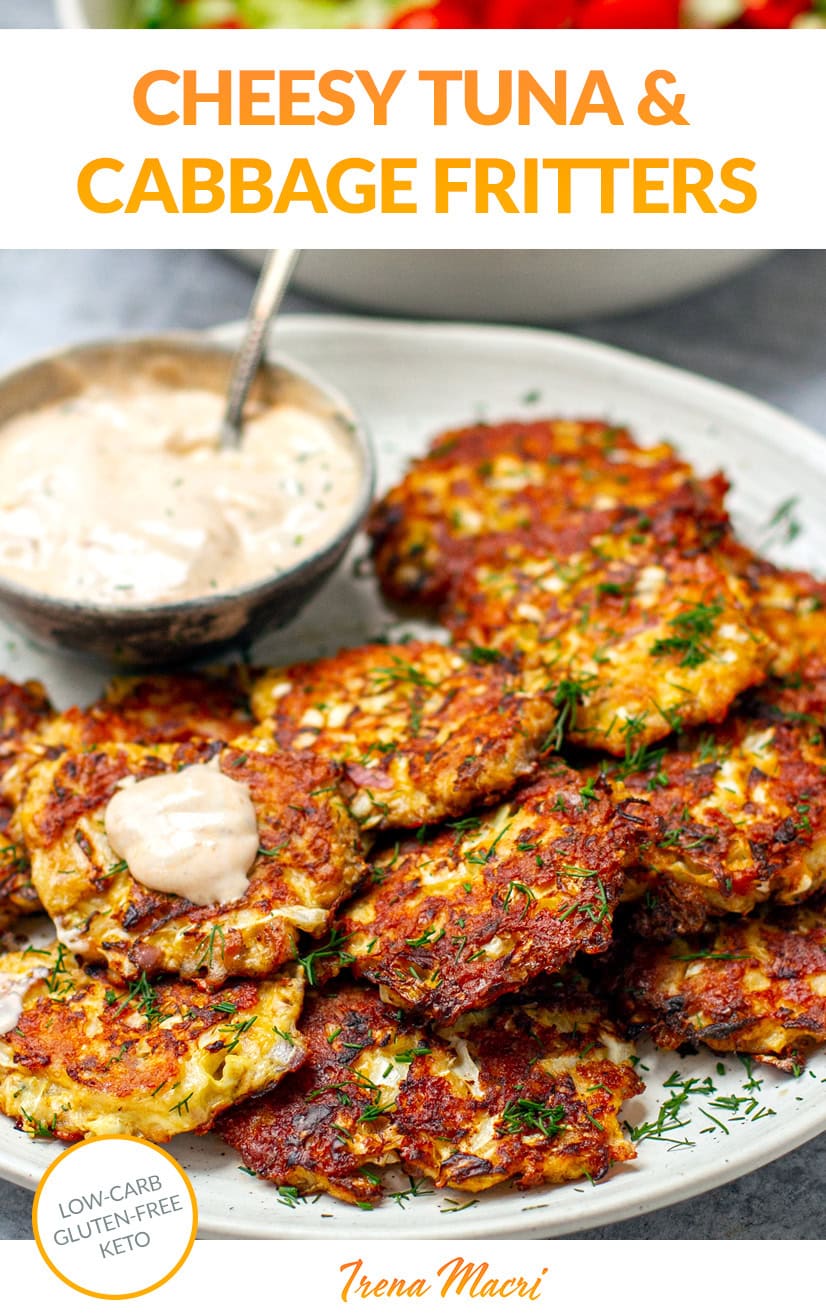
267,297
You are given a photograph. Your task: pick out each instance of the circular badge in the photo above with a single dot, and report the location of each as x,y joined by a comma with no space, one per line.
115,1217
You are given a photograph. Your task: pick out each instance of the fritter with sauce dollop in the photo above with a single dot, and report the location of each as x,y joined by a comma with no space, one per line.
310,858
423,731
151,1060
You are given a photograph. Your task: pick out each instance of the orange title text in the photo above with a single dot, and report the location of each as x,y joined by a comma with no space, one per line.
278,180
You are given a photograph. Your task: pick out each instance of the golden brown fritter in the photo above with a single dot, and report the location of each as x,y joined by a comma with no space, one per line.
159,709
309,860
150,1061
424,732
529,1092
524,1091
331,1124
790,606
736,816
644,630
452,921
24,709
544,485
18,897
144,709
754,985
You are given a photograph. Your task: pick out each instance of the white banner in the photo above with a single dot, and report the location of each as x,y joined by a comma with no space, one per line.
451,1277
422,139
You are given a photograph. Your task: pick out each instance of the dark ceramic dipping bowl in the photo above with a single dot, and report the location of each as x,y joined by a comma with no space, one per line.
175,632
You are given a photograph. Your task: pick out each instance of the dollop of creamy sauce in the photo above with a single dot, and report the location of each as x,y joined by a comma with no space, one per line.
13,990
191,833
121,494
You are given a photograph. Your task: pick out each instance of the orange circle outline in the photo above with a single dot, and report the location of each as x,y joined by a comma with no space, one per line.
121,1296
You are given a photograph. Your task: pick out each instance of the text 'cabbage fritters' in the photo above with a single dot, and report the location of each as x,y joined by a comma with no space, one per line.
736,816
754,985
24,709
150,1061
309,860
529,1092
331,1123
548,485
452,921
642,631
423,732
158,709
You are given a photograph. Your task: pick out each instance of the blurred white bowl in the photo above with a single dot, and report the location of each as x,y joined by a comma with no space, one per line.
519,287
92,13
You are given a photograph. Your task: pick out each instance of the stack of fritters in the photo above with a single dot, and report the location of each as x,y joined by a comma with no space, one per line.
151,1015
482,906
700,667
389,740
478,885
528,1091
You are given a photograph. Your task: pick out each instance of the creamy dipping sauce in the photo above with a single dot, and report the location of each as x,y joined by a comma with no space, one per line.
191,833
119,494
13,990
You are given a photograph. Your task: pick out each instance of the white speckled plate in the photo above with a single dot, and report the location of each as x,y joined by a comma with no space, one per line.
410,380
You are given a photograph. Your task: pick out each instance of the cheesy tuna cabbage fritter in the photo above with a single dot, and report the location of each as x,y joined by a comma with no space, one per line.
545,486
150,1060
450,922
528,1092
24,710
423,731
18,897
790,606
310,858
736,815
642,632
331,1124
755,985
150,708
159,709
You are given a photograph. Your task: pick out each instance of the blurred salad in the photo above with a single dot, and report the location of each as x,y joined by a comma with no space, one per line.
480,13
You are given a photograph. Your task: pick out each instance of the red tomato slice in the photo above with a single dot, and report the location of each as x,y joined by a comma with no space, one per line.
628,13
530,13
444,14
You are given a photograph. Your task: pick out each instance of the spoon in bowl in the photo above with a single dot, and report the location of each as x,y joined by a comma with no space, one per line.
268,295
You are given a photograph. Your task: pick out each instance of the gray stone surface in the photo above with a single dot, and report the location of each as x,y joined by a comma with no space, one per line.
27,13
764,331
